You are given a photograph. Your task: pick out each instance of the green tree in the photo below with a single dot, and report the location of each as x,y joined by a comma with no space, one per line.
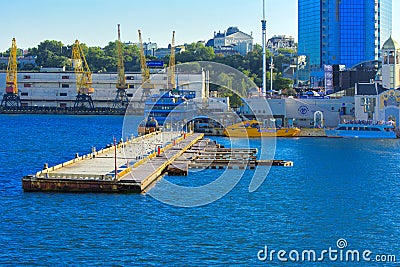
286,51
189,67
131,57
229,85
106,59
283,84
50,54
7,52
98,61
195,52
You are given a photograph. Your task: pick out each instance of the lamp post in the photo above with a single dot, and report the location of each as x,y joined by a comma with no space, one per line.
271,67
264,41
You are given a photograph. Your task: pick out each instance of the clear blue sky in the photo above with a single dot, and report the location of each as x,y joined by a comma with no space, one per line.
94,21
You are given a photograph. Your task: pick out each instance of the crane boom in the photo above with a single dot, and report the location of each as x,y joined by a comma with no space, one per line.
82,71
11,76
121,69
121,100
172,63
11,98
146,84
145,69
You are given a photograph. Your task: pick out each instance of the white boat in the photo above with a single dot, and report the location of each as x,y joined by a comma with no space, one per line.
362,129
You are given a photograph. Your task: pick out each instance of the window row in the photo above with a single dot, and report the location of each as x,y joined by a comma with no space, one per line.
65,85
64,77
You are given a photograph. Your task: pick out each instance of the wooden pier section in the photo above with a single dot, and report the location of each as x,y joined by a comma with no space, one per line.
134,165
211,156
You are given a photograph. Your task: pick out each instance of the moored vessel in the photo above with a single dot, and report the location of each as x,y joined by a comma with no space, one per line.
171,106
254,128
364,129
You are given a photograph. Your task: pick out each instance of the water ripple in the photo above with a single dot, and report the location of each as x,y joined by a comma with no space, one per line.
337,189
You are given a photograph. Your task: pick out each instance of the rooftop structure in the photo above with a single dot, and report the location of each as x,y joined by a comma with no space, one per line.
281,41
22,61
163,52
231,41
380,100
149,48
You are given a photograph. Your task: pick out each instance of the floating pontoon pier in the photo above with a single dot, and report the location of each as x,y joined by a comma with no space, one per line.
132,166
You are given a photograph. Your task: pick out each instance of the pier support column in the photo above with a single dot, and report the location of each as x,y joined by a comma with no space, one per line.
11,101
83,102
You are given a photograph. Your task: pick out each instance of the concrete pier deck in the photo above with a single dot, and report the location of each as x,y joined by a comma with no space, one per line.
139,163
146,173
102,163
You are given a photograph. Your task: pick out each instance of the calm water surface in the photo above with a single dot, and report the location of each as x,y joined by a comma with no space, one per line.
338,188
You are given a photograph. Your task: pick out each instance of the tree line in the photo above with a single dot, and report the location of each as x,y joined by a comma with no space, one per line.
52,53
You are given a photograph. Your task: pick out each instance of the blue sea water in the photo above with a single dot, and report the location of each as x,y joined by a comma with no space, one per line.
337,189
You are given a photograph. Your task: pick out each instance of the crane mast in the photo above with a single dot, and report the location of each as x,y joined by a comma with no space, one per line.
83,78
145,69
121,69
11,77
121,99
171,69
146,84
11,97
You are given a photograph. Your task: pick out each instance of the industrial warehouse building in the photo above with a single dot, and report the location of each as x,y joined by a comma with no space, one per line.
54,87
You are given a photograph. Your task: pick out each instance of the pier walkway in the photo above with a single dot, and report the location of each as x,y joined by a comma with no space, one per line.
101,164
139,162
133,166
145,173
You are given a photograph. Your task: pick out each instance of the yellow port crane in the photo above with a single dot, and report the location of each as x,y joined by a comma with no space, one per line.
171,69
11,98
121,68
146,84
121,99
83,78
11,77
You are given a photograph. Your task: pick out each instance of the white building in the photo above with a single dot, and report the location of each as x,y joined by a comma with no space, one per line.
22,61
380,101
300,112
57,88
161,53
232,41
281,41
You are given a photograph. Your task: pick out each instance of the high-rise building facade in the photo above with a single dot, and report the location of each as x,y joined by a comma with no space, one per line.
344,32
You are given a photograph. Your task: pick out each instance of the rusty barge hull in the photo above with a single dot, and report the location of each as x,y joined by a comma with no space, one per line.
33,184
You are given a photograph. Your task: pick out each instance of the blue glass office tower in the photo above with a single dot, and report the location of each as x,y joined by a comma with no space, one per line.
344,32
309,31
